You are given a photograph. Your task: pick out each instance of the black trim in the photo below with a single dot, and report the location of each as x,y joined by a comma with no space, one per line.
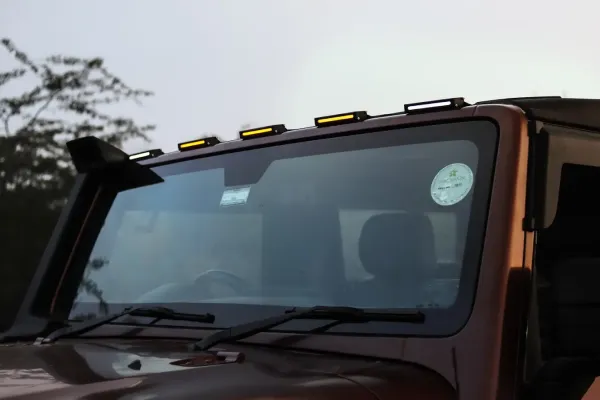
537,165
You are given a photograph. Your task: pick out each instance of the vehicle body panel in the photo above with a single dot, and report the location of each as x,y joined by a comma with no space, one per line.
74,369
495,328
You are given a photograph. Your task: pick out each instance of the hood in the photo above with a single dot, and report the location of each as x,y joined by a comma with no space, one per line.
156,369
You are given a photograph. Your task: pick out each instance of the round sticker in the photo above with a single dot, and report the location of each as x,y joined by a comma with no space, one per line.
451,184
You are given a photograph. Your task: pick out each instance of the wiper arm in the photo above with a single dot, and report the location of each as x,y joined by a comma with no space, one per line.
339,314
158,313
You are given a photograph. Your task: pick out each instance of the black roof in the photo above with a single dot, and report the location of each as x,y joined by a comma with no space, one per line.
578,113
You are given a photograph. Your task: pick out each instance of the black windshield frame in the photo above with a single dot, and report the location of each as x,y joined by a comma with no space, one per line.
439,322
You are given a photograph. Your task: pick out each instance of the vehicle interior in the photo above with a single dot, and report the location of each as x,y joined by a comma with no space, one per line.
564,351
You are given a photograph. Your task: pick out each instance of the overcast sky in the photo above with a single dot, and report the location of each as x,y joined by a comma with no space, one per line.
217,64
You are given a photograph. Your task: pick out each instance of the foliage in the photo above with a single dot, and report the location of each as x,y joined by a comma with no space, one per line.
65,102
58,98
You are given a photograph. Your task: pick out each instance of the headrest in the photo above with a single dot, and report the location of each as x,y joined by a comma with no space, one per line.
397,244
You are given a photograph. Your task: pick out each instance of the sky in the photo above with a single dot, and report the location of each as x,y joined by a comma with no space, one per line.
217,64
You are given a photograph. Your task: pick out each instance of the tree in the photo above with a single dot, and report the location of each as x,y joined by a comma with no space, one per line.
58,98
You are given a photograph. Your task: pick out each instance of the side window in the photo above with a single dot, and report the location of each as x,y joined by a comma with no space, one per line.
567,258
351,221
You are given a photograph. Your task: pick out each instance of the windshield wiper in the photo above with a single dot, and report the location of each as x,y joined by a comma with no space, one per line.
338,314
158,313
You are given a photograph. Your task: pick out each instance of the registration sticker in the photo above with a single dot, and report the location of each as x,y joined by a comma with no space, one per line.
233,197
452,184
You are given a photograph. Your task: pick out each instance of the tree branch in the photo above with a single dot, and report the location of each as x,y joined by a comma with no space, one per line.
40,110
6,126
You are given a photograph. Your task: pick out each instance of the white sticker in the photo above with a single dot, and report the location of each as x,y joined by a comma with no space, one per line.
452,184
232,197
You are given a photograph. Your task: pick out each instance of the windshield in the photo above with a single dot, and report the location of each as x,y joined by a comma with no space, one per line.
389,219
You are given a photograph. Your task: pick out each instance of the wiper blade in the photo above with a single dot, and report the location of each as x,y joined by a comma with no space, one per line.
158,313
339,314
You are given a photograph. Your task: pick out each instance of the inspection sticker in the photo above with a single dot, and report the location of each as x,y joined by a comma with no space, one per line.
452,184
232,197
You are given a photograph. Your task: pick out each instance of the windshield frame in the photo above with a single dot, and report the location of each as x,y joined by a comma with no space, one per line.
431,328
437,320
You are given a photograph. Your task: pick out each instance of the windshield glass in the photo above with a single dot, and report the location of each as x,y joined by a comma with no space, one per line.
387,219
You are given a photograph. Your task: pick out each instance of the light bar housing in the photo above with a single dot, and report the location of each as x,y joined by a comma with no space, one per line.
144,155
262,132
198,143
435,106
340,119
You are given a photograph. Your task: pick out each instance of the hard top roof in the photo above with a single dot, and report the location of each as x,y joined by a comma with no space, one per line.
578,113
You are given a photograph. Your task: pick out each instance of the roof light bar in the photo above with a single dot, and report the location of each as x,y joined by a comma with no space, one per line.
144,155
264,131
198,143
339,119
